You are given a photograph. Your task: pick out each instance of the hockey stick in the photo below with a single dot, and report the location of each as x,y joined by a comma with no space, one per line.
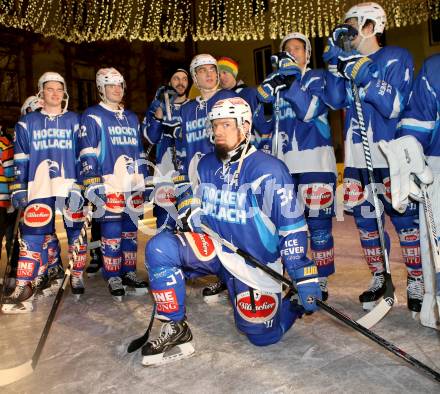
387,301
432,230
277,125
329,309
10,254
11,375
137,343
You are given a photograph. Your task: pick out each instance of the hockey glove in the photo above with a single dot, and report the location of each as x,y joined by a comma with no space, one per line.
266,92
357,68
95,191
75,199
166,89
286,64
171,128
306,278
19,195
189,214
335,46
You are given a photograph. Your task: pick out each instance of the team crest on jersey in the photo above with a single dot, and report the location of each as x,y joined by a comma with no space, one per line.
115,202
317,195
164,195
201,245
387,184
353,192
266,306
37,215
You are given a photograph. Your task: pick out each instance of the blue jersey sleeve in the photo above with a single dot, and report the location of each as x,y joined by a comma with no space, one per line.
335,93
89,145
389,91
305,96
21,154
152,127
421,117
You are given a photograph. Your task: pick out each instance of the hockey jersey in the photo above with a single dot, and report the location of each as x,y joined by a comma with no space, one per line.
383,101
196,131
421,118
110,146
258,213
45,153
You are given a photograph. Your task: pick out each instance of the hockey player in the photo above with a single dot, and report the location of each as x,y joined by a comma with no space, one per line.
166,145
305,144
193,129
383,76
247,198
113,169
45,174
420,120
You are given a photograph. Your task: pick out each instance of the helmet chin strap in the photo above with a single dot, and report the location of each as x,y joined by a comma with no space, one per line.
202,90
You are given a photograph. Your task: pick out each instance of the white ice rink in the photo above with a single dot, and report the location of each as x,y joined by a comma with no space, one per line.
86,348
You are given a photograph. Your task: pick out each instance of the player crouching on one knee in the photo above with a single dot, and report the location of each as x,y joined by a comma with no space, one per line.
245,196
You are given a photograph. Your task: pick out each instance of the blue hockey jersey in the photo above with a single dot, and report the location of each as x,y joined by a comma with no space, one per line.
421,118
258,213
110,147
45,153
383,101
196,130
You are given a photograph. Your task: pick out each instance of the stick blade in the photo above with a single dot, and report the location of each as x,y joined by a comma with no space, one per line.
11,375
137,344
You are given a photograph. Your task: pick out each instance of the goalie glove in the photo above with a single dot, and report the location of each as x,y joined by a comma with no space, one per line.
407,168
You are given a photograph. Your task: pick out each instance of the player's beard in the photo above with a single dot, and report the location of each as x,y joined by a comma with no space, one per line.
221,151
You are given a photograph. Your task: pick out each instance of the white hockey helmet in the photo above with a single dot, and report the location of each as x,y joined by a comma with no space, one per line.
108,76
368,11
201,60
235,108
51,76
33,103
298,36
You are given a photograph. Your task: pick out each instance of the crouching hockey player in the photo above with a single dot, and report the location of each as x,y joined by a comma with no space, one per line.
247,198
45,174
113,169
383,76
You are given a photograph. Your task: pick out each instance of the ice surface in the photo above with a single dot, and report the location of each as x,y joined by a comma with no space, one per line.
86,348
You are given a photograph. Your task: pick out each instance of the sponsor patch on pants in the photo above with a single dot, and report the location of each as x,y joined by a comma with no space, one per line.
166,300
266,306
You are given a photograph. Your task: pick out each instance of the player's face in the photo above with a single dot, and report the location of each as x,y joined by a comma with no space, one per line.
227,80
53,93
226,133
114,93
206,76
179,81
367,30
297,49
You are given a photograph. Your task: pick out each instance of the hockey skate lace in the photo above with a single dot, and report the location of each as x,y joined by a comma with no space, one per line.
376,282
132,276
415,289
215,286
166,331
77,281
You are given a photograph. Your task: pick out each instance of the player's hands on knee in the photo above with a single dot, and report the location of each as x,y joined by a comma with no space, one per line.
306,277
19,196
190,214
275,82
95,191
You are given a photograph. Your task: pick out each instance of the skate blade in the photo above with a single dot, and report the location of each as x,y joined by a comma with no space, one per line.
76,297
117,298
17,309
176,353
217,298
415,315
133,291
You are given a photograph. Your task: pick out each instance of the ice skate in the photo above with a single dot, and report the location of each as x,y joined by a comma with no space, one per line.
77,285
94,266
42,287
323,282
172,344
415,289
20,301
214,292
56,275
133,285
374,292
116,289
